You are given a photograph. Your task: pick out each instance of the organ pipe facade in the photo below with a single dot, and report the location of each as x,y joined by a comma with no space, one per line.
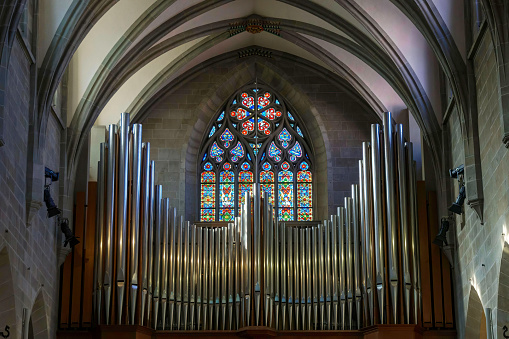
358,268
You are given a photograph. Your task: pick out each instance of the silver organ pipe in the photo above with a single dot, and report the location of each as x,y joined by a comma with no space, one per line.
147,209
254,270
123,179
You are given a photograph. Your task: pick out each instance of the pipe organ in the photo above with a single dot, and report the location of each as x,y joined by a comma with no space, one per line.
358,268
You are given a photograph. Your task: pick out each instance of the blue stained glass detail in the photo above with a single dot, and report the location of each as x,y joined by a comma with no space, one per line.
221,116
216,152
248,156
277,124
284,137
266,166
300,132
237,152
234,125
245,166
255,147
212,131
255,90
304,165
219,126
208,166
263,156
234,101
293,125
290,116
204,157
227,137
295,152
277,102
274,152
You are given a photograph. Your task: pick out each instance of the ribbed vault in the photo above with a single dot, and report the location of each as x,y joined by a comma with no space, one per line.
116,66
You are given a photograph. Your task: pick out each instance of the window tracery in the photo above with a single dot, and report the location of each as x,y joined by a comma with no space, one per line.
236,155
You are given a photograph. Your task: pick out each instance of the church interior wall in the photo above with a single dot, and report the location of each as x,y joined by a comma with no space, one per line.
31,247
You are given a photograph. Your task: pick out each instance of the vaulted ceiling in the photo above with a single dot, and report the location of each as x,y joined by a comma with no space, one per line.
120,54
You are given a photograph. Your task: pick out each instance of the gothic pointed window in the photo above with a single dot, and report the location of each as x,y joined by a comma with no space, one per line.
255,138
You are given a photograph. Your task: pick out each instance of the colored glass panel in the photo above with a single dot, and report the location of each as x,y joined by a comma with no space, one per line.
266,176
284,138
304,195
247,100
208,166
247,126
240,113
207,177
300,132
285,214
226,214
269,188
285,196
221,116
246,176
237,152
245,166
216,152
227,137
208,195
243,188
271,113
285,176
266,166
226,195
290,116
264,126
212,131
274,152
226,176
263,101
304,176
207,215
295,152
304,214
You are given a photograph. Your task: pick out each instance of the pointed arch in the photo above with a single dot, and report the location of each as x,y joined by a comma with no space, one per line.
255,138
475,316
38,318
7,298
246,72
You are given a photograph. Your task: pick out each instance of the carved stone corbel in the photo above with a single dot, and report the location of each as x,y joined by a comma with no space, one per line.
478,206
33,207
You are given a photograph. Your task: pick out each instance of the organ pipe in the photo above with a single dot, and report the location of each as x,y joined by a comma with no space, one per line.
254,270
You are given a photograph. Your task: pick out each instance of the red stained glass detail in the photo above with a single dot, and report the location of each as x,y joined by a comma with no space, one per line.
246,176
304,214
263,126
208,215
240,113
266,176
304,176
207,177
248,126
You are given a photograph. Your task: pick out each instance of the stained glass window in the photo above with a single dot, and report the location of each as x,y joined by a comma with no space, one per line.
255,139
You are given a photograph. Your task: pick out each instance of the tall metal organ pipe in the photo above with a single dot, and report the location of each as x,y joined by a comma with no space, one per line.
255,270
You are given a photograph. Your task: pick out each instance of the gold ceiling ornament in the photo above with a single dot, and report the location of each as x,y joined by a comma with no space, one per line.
254,26
253,29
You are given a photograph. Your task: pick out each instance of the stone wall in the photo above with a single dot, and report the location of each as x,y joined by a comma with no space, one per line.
480,247
31,251
339,120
